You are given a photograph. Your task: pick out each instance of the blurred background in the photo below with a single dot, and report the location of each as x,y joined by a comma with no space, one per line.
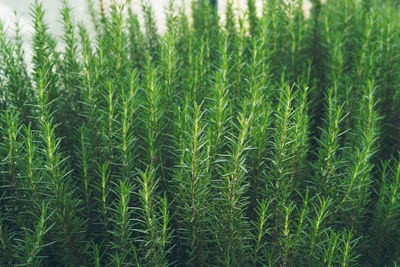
10,10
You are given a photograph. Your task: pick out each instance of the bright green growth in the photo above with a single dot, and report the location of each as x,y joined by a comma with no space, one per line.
266,141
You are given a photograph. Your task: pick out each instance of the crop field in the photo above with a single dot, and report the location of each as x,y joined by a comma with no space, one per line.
269,138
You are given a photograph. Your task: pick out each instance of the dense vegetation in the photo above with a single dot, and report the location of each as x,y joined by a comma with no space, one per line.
259,141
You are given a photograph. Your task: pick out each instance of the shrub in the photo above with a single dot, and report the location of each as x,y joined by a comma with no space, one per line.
266,140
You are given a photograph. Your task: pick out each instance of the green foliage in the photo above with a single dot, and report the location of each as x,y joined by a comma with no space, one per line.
270,140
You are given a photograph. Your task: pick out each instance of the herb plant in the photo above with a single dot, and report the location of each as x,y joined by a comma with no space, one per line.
262,140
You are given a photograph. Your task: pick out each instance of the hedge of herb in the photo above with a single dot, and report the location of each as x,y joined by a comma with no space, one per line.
267,140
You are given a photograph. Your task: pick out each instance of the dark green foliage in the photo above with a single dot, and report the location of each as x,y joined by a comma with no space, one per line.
270,140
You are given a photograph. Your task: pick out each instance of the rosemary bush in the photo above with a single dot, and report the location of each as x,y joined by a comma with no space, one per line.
265,140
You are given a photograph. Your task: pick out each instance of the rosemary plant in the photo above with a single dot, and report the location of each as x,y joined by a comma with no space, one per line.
268,140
